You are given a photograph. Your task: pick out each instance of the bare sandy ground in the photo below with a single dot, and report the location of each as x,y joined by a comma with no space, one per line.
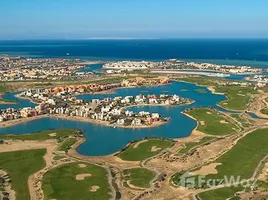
94,188
155,148
202,123
53,134
207,169
82,165
18,145
82,176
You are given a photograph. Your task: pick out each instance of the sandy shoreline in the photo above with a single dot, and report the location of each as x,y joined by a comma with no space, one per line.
212,89
21,120
75,118
194,131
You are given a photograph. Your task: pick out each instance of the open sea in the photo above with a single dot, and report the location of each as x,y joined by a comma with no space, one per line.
220,51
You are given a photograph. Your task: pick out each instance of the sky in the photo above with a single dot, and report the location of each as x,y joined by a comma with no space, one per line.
85,19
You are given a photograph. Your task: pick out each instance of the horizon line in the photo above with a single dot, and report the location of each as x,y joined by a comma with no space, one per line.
130,38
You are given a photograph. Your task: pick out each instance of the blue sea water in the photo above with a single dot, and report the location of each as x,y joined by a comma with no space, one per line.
221,51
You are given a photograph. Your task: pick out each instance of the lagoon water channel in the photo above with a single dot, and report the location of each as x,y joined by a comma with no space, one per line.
102,140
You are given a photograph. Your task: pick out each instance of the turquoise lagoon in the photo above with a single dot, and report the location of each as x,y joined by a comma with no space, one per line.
102,140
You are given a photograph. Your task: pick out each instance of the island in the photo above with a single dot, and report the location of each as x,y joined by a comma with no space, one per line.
136,130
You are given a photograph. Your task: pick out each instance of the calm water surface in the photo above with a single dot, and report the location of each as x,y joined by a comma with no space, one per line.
103,140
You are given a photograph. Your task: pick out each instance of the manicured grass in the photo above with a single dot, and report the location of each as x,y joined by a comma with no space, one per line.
243,158
210,122
60,183
42,135
191,145
238,97
108,80
264,111
243,121
59,157
67,144
20,165
144,149
200,80
220,194
4,88
139,177
262,184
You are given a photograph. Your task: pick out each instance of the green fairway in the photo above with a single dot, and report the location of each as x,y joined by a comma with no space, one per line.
244,122
200,80
20,165
210,122
67,144
192,145
108,80
238,97
221,194
243,158
264,111
4,88
139,177
61,182
145,149
59,157
43,135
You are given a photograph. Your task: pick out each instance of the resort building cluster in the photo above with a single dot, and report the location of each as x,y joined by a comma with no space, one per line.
62,102
130,65
232,69
174,64
259,78
21,68
112,110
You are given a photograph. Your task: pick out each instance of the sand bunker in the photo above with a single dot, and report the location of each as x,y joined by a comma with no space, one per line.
138,143
94,188
241,95
155,148
208,169
82,176
224,122
82,165
209,113
53,134
225,103
202,123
